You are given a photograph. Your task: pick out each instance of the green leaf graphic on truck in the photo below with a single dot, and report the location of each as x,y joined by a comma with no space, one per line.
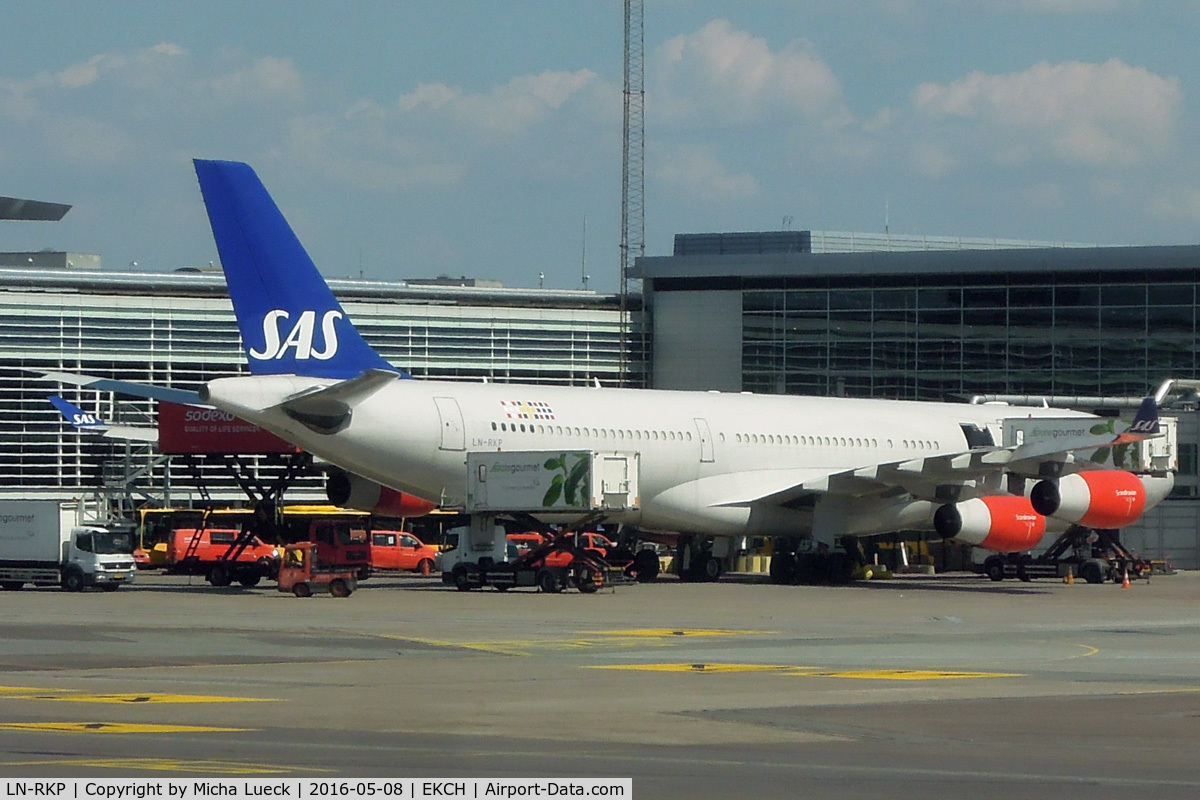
567,480
1119,452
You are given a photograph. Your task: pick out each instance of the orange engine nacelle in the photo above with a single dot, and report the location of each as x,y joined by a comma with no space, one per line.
1096,499
353,491
1003,523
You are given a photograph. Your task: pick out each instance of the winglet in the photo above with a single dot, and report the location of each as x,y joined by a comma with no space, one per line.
291,324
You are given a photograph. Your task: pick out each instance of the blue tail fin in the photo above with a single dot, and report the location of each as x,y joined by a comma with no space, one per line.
76,415
291,323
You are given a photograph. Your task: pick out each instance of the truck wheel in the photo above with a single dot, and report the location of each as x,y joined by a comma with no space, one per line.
646,566
12,586
220,576
425,568
250,579
302,590
72,580
110,587
548,582
994,567
339,588
461,581
585,579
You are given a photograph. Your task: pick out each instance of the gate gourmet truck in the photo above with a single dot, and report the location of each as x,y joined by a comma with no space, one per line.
42,544
568,488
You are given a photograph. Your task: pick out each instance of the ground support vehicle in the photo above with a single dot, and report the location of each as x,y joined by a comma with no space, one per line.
397,550
1091,555
576,489
222,555
302,573
41,544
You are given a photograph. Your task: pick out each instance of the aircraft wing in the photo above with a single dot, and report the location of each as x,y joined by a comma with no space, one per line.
1039,440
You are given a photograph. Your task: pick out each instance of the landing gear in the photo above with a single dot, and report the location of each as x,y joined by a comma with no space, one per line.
809,567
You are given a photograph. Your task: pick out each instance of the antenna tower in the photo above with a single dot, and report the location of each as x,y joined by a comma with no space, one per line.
633,173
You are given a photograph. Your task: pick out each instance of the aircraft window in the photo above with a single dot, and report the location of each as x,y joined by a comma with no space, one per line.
620,434
522,427
671,435
688,435
540,429
889,441
721,436
874,443
858,442
493,426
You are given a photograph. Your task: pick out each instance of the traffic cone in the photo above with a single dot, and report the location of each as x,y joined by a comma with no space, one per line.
1125,581
1070,578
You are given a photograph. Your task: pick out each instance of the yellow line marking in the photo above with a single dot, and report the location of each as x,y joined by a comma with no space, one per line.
705,668
170,765
113,727
812,672
908,674
659,633
70,695
1091,651
135,698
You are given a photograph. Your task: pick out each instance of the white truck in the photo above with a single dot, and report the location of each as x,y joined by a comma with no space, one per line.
42,543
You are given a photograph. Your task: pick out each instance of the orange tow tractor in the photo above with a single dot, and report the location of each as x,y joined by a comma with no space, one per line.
301,573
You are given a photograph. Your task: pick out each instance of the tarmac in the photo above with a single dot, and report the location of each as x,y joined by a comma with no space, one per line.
917,687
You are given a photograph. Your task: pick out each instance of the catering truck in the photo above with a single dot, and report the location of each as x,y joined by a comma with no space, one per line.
42,543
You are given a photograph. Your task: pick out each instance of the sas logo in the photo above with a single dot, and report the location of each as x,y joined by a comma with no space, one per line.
299,336
1144,426
81,418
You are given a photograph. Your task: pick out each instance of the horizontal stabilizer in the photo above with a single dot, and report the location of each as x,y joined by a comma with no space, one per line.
131,389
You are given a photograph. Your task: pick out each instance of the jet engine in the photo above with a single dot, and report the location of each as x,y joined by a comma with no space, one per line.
1003,523
1095,499
348,490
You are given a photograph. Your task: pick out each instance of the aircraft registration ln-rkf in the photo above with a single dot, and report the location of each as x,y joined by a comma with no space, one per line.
713,466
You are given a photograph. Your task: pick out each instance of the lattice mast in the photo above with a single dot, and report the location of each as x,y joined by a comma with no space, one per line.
633,173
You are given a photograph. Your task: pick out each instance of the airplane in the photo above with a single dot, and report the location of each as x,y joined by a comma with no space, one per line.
90,423
713,467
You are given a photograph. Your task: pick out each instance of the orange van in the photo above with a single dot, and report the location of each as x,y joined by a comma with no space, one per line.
399,550
212,552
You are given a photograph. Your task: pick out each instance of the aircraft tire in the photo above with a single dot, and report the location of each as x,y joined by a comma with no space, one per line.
646,565
994,568
783,568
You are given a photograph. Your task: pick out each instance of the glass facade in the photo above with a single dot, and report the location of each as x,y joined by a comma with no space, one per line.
930,336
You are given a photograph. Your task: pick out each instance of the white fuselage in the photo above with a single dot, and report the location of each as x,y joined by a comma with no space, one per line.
700,452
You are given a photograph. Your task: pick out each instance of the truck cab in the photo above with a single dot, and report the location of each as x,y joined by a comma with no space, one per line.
339,543
94,556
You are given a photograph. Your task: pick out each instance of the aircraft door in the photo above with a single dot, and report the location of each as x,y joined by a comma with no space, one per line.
706,443
453,437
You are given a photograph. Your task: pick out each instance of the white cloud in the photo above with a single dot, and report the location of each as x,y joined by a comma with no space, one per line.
1179,203
722,73
696,173
1099,115
508,109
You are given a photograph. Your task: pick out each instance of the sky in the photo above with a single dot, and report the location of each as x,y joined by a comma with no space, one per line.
481,138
